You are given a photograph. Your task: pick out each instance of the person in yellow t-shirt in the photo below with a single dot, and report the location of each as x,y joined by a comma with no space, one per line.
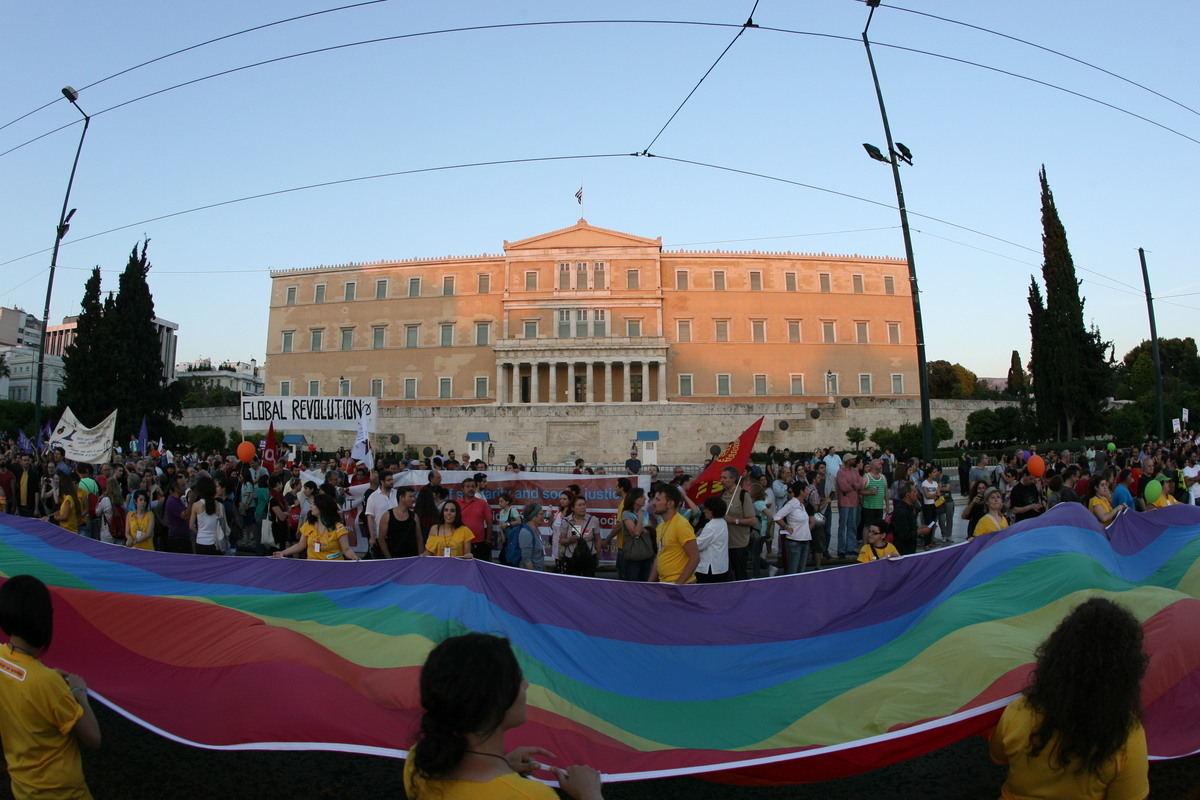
322,535
994,520
877,546
139,525
450,537
44,713
72,510
678,554
460,752
1076,731
1167,498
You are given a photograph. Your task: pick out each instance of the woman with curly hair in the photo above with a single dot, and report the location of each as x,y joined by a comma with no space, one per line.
460,750
1076,730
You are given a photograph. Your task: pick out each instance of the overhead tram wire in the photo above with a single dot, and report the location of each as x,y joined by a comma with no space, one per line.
195,47
1045,49
749,23
499,26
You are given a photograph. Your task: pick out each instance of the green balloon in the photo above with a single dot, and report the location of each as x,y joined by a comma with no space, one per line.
1153,491
1112,445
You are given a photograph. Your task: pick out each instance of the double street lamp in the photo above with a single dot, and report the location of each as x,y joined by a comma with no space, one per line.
64,219
897,152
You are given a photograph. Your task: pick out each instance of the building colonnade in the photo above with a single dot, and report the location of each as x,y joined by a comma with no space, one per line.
584,380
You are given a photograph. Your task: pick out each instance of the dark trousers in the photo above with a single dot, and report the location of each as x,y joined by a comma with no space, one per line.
737,561
482,550
710,577
179,544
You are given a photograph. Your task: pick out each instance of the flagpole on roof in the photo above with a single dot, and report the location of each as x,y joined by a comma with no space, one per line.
579,197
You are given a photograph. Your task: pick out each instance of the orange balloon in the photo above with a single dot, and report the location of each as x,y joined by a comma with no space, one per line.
245,452
1036,466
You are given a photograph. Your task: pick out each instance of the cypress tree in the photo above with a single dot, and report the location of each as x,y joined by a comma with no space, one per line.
85,360
1016,377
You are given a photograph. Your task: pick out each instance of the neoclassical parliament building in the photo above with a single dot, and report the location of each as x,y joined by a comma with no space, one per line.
587,315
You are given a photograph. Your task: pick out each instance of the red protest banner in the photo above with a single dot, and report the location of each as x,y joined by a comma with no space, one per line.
268,460
736,455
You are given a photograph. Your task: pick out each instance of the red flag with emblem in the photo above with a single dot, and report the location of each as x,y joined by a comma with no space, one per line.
736,455
269,450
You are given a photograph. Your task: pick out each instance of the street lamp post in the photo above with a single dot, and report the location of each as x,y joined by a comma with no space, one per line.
64,219
896,153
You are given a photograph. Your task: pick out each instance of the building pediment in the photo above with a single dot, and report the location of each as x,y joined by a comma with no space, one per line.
582,236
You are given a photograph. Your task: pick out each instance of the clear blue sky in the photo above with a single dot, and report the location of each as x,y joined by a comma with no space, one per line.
795,107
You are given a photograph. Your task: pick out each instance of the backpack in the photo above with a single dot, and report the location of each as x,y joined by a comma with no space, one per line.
512,545
116,522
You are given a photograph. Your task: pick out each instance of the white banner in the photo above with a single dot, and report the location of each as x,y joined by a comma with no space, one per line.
86,445
307,413
1175,426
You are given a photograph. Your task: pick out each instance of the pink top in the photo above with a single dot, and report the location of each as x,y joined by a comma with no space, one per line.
849,484
476,515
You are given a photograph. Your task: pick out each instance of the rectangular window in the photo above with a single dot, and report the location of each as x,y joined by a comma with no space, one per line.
797,384
314,388
564,276
598,281
347,338
412,335
344,387
446,337
410,388
285,388
447,285
483,334
864,383
760,384
286,345
531,328
897,383
484,283
858,283
793,330
681,280
723,385
633,279
319,293
758,330
445,388
825,283
290,296
351,291
756,281
827,333
531,281
831,383
581,322
481,387
685,385
600,323
722,330
414,287
719,281
633,328
789,281
377,338
683,330
889,284
316,340
377,387
860,332
381,289
581,276
564,323
893,333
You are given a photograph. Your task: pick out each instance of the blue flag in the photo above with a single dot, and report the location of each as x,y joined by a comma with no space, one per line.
23,442
143,437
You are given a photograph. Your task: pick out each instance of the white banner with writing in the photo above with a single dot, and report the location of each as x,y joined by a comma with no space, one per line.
85,445
307,413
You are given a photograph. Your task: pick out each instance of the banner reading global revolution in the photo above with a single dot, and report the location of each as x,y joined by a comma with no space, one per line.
307,413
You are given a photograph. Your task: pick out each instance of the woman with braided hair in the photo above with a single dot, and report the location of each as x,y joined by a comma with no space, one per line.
472,691
1076,730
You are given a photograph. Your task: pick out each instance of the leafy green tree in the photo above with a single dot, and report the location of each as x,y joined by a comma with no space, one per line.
856,436
884,438
908,437
984,426
1070,376
941,430
948,380
235,438
4,373
1128,425
1011,423
203,393
1180,366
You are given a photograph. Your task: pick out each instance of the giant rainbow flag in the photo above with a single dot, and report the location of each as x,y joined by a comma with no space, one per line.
793,678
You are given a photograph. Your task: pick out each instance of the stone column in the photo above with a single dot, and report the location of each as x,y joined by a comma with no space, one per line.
608,373
534,368
553,381
500,383
590,395
662,381
570,381
516,382
626,371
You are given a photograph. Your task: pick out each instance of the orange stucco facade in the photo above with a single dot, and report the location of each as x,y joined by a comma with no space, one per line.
590,315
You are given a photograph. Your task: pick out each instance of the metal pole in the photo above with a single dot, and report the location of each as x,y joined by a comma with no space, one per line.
1158,390
922,370
59,233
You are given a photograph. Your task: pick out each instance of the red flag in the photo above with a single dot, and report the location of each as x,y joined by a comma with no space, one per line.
736,455
269,450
